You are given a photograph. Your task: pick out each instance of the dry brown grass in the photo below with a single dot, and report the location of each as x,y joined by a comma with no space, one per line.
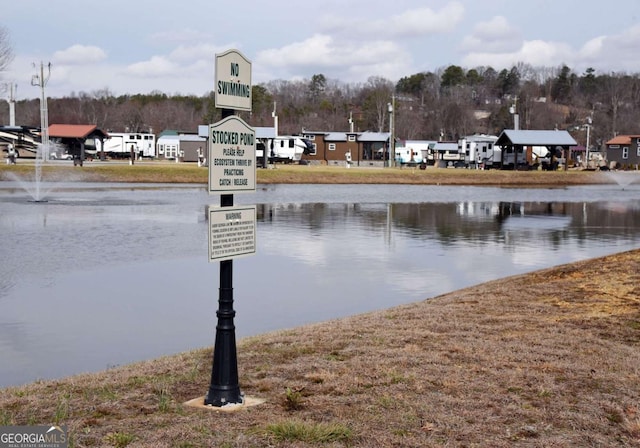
430,176
190,173
548,359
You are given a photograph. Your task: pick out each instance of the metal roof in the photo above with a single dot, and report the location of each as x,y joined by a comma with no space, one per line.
373,136
445,146
335,137
191,138
265,132
307,132
621,139
180,138
365,136
81,131
168,138
536,138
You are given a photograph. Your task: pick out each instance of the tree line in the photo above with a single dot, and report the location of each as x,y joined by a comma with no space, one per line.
441,105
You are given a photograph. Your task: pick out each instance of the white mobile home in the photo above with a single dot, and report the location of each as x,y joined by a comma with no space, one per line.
413,151
169,146
120,145
407,155
286,149
480,151
182,147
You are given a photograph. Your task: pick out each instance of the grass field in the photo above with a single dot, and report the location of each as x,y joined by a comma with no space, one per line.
147,172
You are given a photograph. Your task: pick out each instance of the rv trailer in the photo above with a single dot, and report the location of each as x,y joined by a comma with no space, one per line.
120,144
283,149
480,151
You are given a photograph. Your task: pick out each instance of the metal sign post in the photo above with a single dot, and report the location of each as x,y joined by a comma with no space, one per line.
225,386
231,168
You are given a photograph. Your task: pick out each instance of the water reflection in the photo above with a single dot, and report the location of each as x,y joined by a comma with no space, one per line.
463,222
102,275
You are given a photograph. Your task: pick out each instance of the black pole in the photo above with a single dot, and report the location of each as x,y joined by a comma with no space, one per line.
225,388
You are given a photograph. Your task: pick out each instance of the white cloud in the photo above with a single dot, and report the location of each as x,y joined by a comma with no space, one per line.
179,35
410,23
351,42
628,40
425,21
155,67
79,55
536,53
542,53
313,50
183,62
494,36
618,51
191,53
345,59
592,50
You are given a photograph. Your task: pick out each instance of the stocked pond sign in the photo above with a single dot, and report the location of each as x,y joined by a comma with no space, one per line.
232,156
232,232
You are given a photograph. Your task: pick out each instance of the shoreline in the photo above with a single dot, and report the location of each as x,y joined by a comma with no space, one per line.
548,358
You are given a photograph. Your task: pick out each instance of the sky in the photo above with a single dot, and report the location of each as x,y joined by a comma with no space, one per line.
142,46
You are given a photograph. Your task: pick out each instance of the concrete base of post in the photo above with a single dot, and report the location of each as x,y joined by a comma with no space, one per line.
231,407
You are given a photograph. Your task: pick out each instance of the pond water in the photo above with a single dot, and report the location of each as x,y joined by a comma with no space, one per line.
107,274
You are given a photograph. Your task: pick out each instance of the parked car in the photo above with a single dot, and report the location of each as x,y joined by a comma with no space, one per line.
61,156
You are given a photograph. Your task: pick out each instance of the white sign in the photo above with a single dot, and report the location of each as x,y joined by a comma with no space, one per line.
232,232
232,156
233,81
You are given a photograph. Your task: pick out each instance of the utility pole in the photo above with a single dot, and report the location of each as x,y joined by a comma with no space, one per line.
586,153
514,111
41,81
392,139
12,104
275,119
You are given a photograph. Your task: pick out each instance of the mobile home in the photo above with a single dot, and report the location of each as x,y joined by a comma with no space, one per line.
413,149
444,154
285,149
480,151
120,145
408,155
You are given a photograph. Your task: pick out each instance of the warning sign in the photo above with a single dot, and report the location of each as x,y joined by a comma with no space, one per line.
232,232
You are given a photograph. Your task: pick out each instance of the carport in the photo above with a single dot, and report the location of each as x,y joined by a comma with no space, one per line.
74,137
523,142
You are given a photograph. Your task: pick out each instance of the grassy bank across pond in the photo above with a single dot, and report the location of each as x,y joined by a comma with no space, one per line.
550,358
166,172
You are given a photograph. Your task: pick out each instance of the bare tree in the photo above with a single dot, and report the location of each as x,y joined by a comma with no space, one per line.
613,96
6,54
377,96
6,50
